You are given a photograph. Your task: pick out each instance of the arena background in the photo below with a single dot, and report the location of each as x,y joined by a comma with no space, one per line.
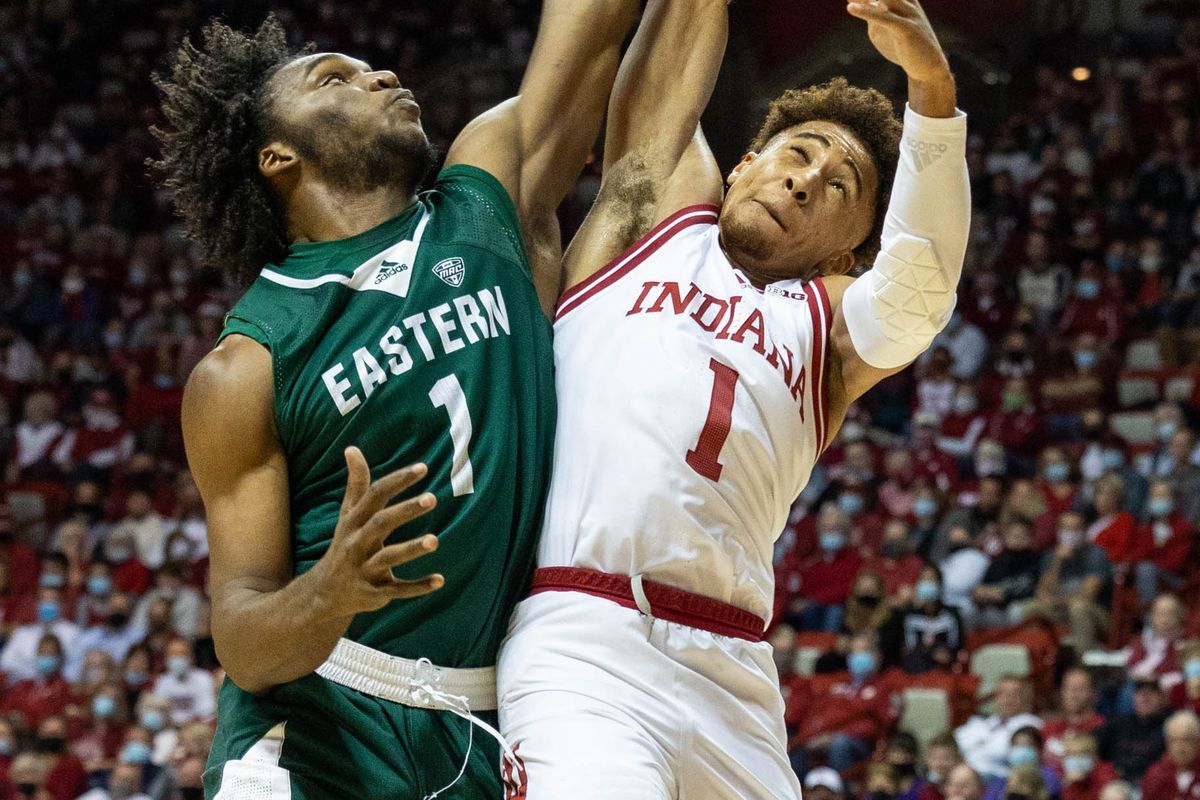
1063,398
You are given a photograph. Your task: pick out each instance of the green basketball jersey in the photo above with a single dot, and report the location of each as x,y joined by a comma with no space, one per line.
419,340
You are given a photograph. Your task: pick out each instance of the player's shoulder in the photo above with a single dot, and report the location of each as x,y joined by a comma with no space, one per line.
228,402
835,287
237,368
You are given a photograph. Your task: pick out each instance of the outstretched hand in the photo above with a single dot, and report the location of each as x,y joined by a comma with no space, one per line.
902,34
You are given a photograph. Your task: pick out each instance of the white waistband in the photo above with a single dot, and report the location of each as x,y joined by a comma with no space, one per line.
420,683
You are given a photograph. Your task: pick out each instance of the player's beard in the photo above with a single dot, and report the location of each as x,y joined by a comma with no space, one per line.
742,239
354,164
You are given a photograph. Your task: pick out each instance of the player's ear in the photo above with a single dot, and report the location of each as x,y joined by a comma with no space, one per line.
276,158
746,161
838,264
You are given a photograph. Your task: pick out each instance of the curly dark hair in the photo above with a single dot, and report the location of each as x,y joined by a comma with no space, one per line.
217,110
866,113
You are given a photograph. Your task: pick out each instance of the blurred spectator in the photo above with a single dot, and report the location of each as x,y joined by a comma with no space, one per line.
97,749
1132,742
896,563
965,344
36,436
148,529
963,568
1024,753
1176,776
19,657
187,689
931,632
65,778
45,695
1076,715
184,603
961,429
867,611
1113,528
823,783
1042,284
1016,423
1025,782
1010,580
123,784
935,387
901,755
941,756
1168,536
1156,651
1075,585
19,559
27,776
1084,775
825,579
864,709
882,783
114,636
963,783
985,741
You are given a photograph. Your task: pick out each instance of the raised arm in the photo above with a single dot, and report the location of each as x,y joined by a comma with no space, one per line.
886,318
655,157
535,144
269,627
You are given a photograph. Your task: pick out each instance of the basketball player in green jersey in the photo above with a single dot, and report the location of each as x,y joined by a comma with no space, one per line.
384,333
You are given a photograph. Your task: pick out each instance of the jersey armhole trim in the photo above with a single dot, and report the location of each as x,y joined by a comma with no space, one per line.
259,333
638,252
822,323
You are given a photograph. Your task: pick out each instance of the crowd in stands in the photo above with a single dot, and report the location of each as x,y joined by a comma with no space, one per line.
1036,473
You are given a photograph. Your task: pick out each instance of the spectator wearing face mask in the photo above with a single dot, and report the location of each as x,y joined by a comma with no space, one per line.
938,471
1055,483
1016,423
1176,776
92,606
1169,454
1187,693
1091,309
1114,527
941,757
868,611
901,754
114,636
1076,715
1168,537
187,688
1076,584
961,429
185,601
99,747
985,741
930,632
896,564
129,574
1024,783
1132,742
1010,580
46,694
19,658
147,528
1156,651
27,777
1025,752
978,512
54,572
846,721
1077,382
1084,774
154,738
124,783
826,578
65,779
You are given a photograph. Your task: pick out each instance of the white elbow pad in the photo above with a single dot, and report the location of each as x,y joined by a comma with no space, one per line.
896,308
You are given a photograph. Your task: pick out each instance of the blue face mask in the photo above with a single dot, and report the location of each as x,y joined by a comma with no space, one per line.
1115,263
1085,359
851,503
860,664
136,753
1191,669
832,541
152,720
103,706
1160,506
1022,755
928,591
924,507
52,580
1166,430
46,665
179,665
48,610
1087,288
1078,764
1113,459
1056,471
99,585
6,747
135,678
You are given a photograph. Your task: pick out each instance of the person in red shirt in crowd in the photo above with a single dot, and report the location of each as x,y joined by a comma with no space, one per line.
935,386
129,575
825,579
1084,774
100,443
1017,423
1113,529
1156,651
8,749
846,721
1092,309
929,462
66,779
1167,539
46,695
1056,484
1176,776
896,563
1077,715
18,556
97,749
898,490
962,428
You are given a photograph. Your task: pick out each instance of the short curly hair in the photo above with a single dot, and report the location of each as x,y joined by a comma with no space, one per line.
866,113
216,105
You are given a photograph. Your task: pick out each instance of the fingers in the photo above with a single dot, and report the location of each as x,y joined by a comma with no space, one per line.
882,10
405,590
358,478
380,524
396,554
383,490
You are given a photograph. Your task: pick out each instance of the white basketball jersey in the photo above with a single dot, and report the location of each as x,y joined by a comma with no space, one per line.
691,412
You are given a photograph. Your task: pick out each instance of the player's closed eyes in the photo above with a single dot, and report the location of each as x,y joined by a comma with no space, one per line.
334,76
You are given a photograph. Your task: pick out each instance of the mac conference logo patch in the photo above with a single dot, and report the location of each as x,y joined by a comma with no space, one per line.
451,270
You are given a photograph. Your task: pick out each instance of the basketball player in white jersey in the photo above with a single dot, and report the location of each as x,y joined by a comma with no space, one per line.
707,349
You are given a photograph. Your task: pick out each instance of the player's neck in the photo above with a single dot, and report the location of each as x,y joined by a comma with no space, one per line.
318,212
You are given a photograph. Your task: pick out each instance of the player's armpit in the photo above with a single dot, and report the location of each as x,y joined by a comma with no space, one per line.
850,376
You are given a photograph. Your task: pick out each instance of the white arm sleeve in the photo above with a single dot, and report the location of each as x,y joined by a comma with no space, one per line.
896,308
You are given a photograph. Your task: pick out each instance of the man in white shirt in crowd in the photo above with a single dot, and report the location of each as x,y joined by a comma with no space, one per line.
984,741
187,688
18,660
